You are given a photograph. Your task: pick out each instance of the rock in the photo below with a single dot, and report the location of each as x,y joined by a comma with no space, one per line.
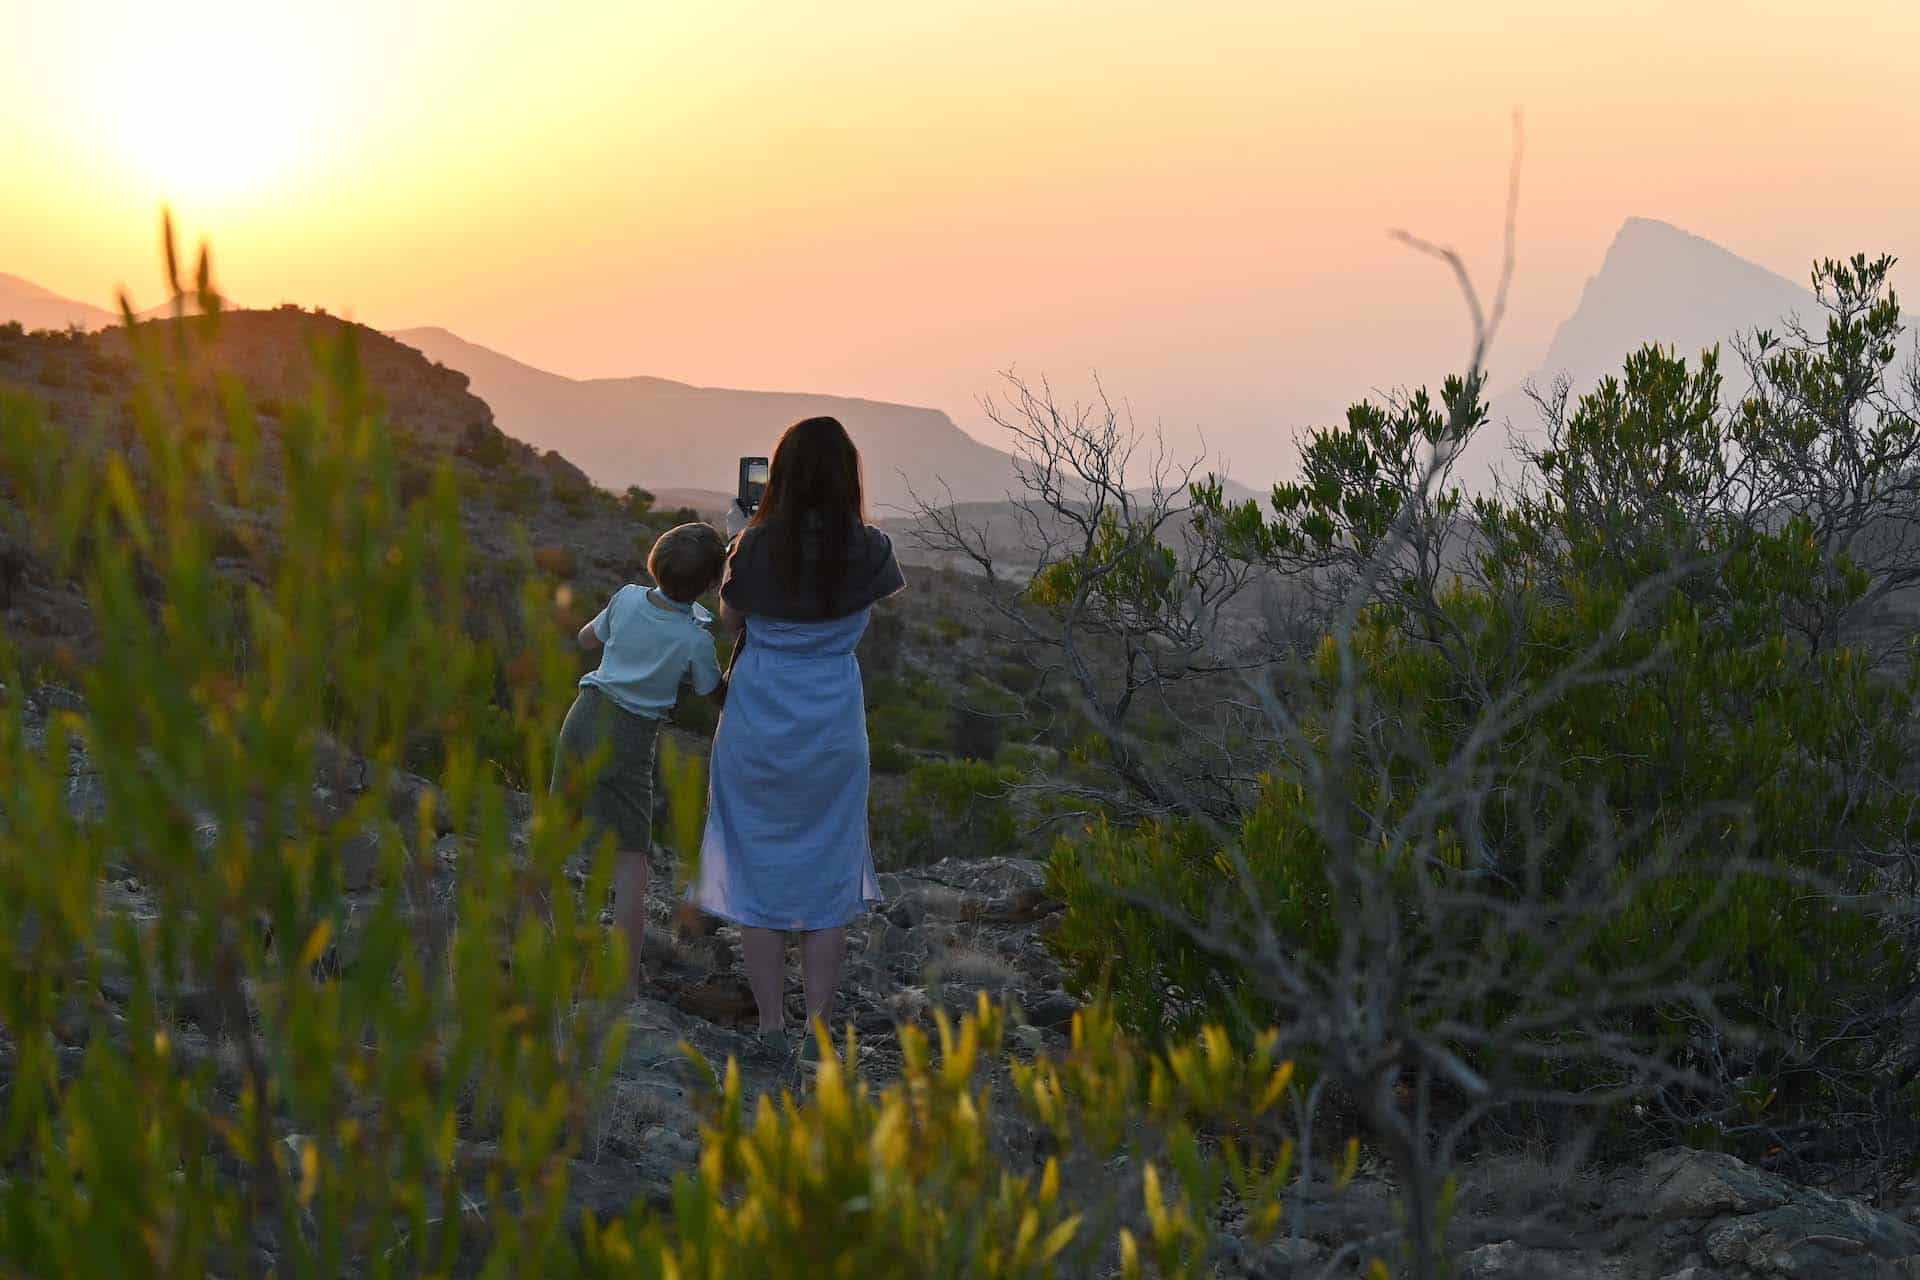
1816,1235
360,861
888,940
1753,1223
1511,1261
721,998
1290,1259
1051,1009
86,797
988,891
1700,1184
405,798
670,1145
608,1188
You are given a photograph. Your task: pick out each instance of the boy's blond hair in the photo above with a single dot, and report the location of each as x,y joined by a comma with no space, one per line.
687,560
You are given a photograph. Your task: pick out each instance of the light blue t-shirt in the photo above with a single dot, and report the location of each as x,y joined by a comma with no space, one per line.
653,645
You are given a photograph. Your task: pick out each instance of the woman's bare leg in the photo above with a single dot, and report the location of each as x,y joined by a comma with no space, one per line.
630,875
764,952
821,953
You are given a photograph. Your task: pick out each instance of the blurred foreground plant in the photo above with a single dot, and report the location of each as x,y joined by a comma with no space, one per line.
253,1065
1139,1154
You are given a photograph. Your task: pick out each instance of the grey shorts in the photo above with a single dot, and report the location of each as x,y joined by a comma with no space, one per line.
619,800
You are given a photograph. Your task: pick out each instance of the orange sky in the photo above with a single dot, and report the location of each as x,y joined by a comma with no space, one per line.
897,200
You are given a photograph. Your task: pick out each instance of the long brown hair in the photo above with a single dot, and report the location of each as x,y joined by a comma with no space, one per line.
815,500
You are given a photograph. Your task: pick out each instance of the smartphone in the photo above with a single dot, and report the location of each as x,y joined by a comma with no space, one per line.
753,483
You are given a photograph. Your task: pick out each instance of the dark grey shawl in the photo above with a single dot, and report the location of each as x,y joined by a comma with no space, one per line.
756,582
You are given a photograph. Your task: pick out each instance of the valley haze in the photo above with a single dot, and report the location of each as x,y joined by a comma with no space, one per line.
1655,283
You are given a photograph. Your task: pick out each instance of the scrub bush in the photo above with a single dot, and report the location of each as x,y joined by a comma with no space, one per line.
962,807
1613,800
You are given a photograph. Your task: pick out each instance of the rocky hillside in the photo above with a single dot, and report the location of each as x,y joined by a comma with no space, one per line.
516,498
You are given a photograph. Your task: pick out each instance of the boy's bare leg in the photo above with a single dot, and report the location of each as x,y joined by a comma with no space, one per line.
821,954
630,876
764,952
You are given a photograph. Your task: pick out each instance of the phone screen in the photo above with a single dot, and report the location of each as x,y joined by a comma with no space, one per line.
753,481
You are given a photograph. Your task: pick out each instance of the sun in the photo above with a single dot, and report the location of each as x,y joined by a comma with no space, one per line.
214,103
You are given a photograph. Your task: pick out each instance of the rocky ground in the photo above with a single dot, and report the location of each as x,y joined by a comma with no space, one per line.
956,926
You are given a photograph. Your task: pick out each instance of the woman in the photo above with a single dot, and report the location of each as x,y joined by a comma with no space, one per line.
786,841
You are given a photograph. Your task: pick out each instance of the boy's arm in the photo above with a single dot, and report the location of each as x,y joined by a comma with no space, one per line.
703,670
594,634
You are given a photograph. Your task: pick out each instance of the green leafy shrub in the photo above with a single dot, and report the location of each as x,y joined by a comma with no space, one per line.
1020,677
1160,978
1642,692
976,733
257,1063
890,757
518,492
911,714
961,808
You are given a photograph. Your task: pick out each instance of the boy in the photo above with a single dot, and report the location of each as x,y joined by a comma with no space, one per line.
652,641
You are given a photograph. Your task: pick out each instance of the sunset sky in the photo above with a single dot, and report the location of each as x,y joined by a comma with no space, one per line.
897,200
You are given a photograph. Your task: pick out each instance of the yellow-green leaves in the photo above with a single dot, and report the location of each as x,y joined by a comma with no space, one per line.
318,1034
904,1180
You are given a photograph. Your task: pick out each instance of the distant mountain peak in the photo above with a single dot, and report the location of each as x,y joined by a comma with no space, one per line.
1657,283
15,286
1639,227
1660,283
1644,245
37,307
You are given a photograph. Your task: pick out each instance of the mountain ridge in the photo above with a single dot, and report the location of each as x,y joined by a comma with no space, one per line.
1656,282
660,433
34,306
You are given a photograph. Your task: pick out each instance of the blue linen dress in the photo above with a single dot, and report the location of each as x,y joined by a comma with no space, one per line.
786,840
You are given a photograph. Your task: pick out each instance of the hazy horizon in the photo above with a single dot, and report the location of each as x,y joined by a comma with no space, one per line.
895,205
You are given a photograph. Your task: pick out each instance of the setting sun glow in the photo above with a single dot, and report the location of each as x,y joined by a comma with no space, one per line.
217,112
899,200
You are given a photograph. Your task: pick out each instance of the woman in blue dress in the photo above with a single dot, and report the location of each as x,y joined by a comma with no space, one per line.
786,841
